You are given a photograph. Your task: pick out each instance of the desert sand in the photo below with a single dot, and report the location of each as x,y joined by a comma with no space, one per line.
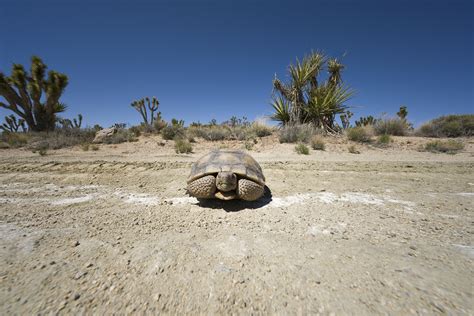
388,231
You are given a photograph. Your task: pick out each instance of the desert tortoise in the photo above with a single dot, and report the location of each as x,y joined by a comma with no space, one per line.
226,175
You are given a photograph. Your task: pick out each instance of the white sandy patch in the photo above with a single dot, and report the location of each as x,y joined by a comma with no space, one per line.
182,200
468,250
289,200
139,198
75,200
314,230
465,194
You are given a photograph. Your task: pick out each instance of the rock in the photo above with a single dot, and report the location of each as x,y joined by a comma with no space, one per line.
101,135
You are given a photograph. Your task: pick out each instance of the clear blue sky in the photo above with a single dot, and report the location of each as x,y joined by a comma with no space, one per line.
216,58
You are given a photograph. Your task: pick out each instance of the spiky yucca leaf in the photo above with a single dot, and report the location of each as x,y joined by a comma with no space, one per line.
282,111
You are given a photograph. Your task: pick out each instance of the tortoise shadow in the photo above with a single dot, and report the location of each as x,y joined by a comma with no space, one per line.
237,205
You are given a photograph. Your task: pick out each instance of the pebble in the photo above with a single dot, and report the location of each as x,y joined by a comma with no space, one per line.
77,296
76,243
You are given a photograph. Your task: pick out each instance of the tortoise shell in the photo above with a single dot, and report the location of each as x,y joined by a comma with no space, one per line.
236,161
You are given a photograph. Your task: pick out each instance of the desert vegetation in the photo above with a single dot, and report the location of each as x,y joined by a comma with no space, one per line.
305,107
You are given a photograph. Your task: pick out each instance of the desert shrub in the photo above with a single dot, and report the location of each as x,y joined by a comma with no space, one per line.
260,130
212,133
14,140
448,146
391,126
43,152
172,132
317,143
296,133
121,136
159,125
448,126
353,150
95,148
182,146
302,149
85,146
61,138
384,140
249,145
358,134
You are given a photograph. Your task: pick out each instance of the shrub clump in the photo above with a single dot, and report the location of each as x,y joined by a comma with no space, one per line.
359,134
448,126
317,143
172,132
448,146
302,149
121,136
60,138
392,126
353,150
13,140
182,146
296,133
211,133
260,130
383,140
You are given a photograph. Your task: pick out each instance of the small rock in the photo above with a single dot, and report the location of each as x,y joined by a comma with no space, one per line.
76,243
413,247
77,296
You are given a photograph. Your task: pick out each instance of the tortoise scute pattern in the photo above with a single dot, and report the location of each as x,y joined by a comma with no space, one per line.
204,187
251,183
249,190
227,160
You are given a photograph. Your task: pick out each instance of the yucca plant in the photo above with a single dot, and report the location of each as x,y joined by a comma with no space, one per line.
305,100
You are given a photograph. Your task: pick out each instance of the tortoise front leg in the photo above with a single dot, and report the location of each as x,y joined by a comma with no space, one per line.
249,191
203,188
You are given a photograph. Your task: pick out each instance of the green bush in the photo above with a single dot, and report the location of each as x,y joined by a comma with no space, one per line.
260,130
121,136
172,132
317,143
182,146
212,133
393,126
448,146
358,134
158,125
384,140
302,149
14,140
296,133
448,126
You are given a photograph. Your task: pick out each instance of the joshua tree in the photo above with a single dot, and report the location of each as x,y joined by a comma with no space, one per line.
24,92
402,113
346,119
67,123
306,100
367,120
12,124
146,104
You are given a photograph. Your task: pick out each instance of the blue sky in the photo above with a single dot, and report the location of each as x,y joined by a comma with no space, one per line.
214,59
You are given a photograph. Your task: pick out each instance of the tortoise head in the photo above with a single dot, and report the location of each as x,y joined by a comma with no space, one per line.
226,181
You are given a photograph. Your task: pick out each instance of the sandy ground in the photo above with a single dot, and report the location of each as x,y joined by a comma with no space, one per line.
388,231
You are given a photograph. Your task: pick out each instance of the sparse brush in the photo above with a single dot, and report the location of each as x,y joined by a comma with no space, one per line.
393,126
172,132
384,140
95,148
317,143
43,152
359,134
182,146
448,146
85,146
121,136
448,126
302,149
260,129
249,145
353,150
296,133
14,140
136,130
159,125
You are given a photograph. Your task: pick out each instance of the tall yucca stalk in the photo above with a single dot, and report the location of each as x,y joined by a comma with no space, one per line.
24,92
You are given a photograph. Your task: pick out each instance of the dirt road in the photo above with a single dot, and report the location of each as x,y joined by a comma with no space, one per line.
386,231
